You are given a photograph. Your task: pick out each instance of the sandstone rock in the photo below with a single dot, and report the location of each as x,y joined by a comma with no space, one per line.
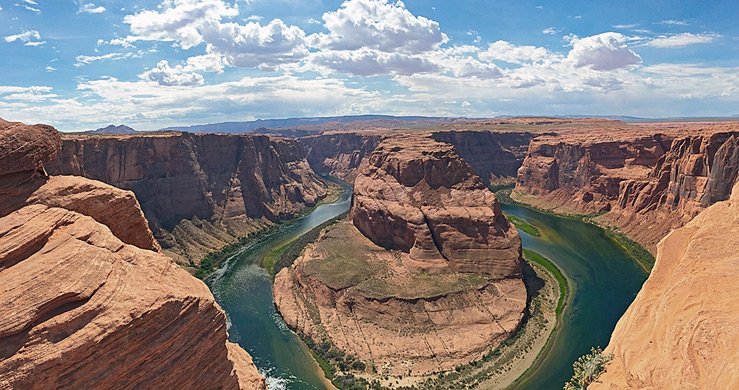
418,196
425,275
339,154
26,147
681,331
86,306
235,183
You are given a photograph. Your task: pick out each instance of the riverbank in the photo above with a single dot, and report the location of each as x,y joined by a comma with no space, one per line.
214,259
636,251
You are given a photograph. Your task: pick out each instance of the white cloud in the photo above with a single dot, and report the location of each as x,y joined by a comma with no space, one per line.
165,75
550,31
179,21
29,38
682,40
32,9
90,8
605,51
674,22
369,62
625,26
255,45
49,68
146,105
83,60
504,51
379,25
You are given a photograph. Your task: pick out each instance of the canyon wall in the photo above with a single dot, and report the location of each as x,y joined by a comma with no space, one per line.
88,299
424,275
645,185
681,330
199,192
494,156
339,154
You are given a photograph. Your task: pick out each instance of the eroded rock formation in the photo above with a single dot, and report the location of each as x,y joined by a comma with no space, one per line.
426,273
87,299
198,192
645,181
681,331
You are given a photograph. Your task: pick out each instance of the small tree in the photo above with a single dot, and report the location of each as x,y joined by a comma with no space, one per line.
588,369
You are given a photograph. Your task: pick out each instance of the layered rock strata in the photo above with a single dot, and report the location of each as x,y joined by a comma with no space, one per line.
424,276
198,192
646,185
88,300
681,331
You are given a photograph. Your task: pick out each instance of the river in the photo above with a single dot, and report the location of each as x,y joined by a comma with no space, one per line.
244,291
603,282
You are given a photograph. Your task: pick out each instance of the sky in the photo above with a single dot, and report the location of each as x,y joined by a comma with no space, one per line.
80,65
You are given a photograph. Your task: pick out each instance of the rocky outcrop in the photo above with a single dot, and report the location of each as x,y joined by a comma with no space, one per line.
696,172
87,300
644,181
584,173
199,192
424,276
494,156
681,330
339,154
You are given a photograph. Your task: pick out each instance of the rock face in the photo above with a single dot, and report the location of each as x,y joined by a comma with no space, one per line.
494,156
681,332
646,185
339,154
426,273
199,192
88,302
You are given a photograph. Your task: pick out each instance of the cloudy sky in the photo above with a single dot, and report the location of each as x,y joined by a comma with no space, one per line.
79,65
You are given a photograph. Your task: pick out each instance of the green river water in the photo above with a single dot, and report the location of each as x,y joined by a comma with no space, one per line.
603,282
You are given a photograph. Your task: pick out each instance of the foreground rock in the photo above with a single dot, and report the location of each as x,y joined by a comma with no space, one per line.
88,300
681,331
425,275
198,192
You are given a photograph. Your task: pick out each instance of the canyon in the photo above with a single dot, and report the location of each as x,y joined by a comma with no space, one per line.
89,301
425,238
199,192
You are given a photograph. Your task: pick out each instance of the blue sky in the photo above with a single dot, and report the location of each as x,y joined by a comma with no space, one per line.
80,65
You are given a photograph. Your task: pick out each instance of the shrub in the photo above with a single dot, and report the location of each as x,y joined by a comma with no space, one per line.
588,369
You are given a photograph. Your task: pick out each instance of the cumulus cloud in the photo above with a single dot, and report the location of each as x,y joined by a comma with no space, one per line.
550,31
254,45
163,74
29,38
379,25
371,37
368,62
179,21
605,51
681,40
90,8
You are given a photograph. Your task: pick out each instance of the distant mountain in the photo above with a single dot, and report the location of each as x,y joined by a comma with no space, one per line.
243,127
111,129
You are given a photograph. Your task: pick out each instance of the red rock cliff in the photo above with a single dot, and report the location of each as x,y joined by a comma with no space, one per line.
681,331
88,301
206,190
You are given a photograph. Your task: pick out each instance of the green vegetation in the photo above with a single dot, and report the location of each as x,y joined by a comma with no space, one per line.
534,257
333,360
636,251
214,259
633,248
285,255
523,225
588,369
